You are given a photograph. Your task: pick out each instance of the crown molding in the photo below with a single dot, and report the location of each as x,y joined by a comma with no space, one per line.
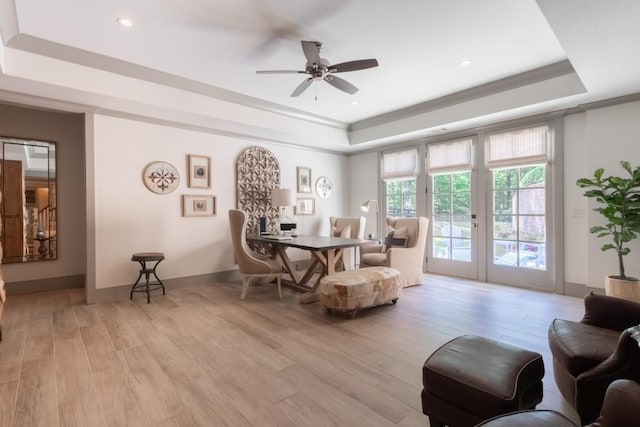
477,92
89,59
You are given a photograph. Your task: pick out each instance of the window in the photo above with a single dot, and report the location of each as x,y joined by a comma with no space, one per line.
400,171
401,198
518,163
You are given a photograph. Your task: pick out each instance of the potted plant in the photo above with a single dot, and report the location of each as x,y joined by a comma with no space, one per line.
619,199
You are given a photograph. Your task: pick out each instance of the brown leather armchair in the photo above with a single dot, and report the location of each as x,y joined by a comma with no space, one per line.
590,354
621,407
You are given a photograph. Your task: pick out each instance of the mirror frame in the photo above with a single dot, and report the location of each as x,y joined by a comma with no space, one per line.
36,236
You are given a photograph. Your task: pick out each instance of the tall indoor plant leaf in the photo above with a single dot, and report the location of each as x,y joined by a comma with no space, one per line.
619,197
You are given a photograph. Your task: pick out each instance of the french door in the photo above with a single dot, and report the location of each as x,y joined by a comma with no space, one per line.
452,206
520,231
491,218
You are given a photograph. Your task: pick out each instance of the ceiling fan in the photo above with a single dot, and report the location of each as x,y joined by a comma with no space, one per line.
320,69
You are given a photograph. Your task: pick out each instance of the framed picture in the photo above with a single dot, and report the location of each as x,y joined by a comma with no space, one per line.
304,179
195,205
305,206
199,171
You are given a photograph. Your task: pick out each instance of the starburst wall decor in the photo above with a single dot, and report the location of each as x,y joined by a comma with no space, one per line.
161,177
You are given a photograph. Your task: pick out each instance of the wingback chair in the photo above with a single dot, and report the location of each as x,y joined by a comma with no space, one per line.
348,227
252,265
409,258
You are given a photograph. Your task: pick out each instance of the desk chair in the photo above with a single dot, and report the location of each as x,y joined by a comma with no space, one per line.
253,266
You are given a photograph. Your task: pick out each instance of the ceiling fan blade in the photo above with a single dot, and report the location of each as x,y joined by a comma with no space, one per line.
341,84
310,50
281,72
360,64
302,87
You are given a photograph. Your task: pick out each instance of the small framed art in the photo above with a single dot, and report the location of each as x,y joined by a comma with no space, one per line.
195,205
305,206
304,179
199,171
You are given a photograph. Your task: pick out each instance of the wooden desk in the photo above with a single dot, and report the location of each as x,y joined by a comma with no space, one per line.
325,252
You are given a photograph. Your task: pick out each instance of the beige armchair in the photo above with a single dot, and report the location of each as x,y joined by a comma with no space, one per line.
252,265
351,228
408,260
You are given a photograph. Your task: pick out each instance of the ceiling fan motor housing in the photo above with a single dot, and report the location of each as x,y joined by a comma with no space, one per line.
318,71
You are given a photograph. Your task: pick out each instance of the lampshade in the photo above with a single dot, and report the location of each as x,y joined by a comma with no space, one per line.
281,197
367,205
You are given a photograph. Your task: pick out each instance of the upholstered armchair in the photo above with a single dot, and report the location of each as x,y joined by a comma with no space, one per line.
253,266
406,256
352,228
590,354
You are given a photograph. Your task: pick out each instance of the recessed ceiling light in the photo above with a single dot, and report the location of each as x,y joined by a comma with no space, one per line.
354,102
465,62
124,21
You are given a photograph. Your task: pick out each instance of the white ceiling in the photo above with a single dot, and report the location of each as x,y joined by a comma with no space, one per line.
419,45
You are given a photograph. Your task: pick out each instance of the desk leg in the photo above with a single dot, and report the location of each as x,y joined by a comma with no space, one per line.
328,259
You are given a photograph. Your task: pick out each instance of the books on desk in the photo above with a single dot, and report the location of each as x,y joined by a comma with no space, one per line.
278,237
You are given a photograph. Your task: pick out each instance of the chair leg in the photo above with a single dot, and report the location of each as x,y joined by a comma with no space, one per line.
245,286
279,282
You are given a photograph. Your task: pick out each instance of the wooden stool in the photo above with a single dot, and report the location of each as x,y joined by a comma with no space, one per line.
142,258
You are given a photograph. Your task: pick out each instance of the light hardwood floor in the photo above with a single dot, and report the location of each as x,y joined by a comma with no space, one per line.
201,357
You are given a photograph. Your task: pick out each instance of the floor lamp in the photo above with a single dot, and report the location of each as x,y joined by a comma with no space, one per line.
366,206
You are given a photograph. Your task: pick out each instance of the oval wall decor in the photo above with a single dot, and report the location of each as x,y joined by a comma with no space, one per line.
161,177
324,187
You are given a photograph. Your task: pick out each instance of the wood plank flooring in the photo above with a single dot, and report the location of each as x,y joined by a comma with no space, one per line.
201,357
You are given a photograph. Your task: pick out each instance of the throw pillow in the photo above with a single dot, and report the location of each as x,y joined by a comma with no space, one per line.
342,232
396,239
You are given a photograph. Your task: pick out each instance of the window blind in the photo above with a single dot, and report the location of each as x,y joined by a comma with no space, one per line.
400,165
454,156
521,147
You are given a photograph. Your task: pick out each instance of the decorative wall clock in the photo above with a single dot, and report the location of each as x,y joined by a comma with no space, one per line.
161,177
324,187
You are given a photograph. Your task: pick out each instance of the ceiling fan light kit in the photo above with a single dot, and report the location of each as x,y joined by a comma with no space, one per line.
318,68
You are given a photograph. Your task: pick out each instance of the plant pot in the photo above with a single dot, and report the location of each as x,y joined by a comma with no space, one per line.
623,288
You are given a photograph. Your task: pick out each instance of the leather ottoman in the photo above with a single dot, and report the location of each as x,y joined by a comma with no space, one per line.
471,379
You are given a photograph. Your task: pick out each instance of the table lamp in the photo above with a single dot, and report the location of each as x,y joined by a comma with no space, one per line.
281,198
365,208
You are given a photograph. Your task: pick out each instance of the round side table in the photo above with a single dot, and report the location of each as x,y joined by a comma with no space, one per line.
143,258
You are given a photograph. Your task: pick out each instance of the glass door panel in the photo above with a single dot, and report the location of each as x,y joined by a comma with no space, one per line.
453,227
519,221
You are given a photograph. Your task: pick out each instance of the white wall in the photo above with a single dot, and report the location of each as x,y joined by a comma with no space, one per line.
575,204
364,176
601,138
129,218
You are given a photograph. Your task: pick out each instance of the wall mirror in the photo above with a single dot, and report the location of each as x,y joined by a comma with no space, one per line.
28,205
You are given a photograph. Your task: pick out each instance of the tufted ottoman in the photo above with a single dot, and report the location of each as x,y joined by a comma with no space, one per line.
353,290
471,379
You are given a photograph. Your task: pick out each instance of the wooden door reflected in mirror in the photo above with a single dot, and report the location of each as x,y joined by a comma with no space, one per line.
28,206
